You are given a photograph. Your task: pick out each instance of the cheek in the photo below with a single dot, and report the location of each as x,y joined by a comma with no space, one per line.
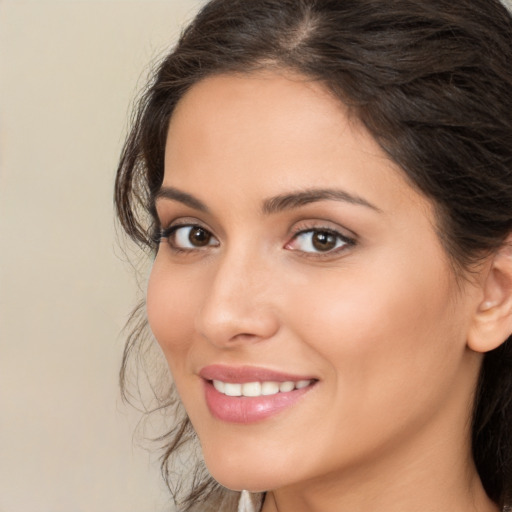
170,303
382,327
387,349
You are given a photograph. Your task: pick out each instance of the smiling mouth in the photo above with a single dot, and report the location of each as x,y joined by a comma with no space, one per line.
256,389
254,401
247,394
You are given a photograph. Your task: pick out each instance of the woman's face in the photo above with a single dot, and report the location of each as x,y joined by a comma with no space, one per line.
299,268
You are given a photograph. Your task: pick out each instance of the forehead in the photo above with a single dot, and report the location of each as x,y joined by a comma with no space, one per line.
266,132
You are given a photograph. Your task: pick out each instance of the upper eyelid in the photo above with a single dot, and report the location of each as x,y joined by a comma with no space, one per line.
324,225
162,212
182,221
174,226
320,228
350,240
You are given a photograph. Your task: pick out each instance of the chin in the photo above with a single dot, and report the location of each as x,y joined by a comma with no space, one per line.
239,473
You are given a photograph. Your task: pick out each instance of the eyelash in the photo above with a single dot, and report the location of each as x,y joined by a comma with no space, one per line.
165,235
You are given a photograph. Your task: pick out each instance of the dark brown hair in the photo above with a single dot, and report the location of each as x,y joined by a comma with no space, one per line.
430,80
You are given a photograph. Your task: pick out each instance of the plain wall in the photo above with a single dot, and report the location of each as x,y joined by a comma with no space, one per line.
69,71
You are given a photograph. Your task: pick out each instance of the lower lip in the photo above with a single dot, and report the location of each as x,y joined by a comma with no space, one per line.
244,409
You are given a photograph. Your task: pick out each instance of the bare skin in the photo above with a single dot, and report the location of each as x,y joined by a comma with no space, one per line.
375,315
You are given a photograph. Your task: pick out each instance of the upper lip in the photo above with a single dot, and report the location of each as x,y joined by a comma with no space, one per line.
242,374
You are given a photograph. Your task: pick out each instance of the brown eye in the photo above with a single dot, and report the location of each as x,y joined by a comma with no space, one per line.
189,237
316,241
323,241
199,237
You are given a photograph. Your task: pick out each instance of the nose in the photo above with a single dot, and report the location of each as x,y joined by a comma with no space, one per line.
238,306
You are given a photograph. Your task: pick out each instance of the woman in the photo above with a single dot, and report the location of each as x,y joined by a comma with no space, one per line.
327,188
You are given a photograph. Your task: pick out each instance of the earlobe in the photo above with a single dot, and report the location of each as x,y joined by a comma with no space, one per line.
492,322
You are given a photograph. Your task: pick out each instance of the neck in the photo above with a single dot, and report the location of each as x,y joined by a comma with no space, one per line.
427,472
403,492
409,489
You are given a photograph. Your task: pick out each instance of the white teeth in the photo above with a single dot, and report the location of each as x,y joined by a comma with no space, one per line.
258,388
269,388
218,385
251,389
231,389
302,384
286,386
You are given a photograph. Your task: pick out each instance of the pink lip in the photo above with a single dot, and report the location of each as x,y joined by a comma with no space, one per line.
248,409
241,374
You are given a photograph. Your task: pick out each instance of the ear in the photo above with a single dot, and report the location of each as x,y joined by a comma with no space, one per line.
492,322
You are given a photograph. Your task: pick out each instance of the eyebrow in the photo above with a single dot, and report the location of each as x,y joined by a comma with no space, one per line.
274,204
302,198
182,197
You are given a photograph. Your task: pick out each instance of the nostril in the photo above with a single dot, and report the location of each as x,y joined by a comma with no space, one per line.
245,336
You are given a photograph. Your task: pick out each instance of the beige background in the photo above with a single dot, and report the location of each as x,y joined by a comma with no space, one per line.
68,73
